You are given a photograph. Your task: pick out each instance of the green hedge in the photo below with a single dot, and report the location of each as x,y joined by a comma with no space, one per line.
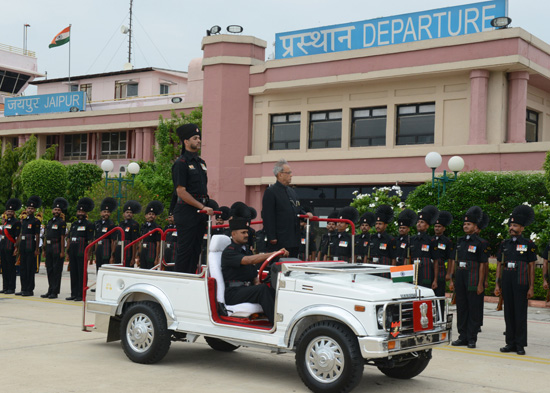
47,179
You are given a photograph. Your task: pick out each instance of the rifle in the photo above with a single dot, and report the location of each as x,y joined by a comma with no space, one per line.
500,298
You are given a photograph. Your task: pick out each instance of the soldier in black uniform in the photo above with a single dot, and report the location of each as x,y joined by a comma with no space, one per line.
382,246
406,219
423,253
131,233
327,247
80,235
366,222
516,257
221,218
239,273
54,250
104,249
29,247
190,195
8,245
471,255
343,239
444,252
150,246
545,257
171,240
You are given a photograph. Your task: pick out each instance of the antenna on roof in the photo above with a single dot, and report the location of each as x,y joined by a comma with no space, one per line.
128,30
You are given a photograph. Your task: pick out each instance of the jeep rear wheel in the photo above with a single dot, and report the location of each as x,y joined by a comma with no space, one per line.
328,358
410,368
143,332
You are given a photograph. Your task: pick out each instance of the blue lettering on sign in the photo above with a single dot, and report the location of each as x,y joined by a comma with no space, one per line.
45,103
418,26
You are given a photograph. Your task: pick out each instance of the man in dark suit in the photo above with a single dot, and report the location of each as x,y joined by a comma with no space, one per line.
280,209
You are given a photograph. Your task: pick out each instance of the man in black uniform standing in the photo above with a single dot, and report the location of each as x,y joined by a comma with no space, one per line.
444,252
344,240
366,222
406,219
280,210
190,195
8,248
171,240
422,246
239,273
471,255
29,247
382,246
150,246
80,234
54,250
516,257
327,248
105,247
131,233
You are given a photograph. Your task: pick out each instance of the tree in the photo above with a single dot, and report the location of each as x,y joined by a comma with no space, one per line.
9,162
380,196
47,179
80,178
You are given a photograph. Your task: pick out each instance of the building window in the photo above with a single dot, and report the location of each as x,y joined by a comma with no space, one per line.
532,126
415,124
164,89
15,142
76,146
73,87
325,129
113,144
368,127
124,89
87,88
285,132
52,140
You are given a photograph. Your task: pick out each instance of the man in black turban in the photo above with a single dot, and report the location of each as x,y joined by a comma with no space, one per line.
29,247
8,240
54,250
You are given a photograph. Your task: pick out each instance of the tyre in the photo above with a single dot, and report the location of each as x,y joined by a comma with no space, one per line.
143,332
410,368
220,345
328,358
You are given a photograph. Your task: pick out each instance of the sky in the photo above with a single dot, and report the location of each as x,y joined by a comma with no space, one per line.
168,33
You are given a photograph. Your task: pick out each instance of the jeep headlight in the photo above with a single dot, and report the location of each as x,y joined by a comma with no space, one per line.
380,316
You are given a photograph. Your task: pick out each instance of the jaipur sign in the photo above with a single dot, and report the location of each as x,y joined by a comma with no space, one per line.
45,103
418,26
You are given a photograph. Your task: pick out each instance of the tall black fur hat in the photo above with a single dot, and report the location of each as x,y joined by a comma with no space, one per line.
253,213
13,204
384,213
407,218
349,213
445,218
484,221
133,206
368,218
429,214
523,215
34,201
186,131
474,215
85,204
108,204
154,206
334,214
226,213
60,203
239,209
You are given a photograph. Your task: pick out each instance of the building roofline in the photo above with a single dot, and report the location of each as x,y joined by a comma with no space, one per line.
104,74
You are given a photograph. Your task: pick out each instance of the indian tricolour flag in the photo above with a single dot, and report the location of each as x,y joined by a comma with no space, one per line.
403,273
62,38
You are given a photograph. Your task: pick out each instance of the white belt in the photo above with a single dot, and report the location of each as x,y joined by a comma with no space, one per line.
100,242
511,265
73,239
48,242
120,242
23,237
168,246
463,264
144,245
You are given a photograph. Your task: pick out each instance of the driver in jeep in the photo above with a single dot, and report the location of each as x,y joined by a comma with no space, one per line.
240,275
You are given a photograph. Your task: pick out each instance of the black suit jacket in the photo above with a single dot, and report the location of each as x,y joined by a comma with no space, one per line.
280,209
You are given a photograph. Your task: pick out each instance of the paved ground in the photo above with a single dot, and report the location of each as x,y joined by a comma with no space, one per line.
43,350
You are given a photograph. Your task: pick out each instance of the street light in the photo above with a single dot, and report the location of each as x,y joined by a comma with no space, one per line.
107,166
455,163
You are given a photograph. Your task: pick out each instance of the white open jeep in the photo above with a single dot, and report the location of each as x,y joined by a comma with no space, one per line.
336,317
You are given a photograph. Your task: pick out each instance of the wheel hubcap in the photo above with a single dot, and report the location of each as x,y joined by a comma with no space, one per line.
140,333
325,359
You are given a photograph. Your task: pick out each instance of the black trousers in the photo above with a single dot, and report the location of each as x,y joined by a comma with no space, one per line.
440,291
147,256
261,294
191,227
77,266
54,269
468,308
515,300
27,270
102,257
8,269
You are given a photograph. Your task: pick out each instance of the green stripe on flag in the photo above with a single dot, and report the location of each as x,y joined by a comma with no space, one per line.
60,42
402,279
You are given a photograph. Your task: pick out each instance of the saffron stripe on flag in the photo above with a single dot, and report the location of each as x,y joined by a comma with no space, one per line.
402,273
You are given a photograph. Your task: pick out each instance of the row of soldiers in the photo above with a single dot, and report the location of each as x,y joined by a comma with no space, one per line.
464,264
21,239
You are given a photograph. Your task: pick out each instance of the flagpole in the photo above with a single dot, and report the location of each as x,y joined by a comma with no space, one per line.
70,57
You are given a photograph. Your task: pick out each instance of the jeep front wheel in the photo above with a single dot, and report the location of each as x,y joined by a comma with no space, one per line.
328,358
143,332
409,368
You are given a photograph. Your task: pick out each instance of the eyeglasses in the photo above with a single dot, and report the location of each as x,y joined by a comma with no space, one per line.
288,173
